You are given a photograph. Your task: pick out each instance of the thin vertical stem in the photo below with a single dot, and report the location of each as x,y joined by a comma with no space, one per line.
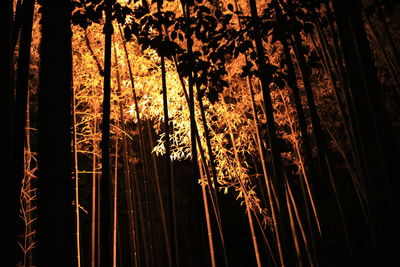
115,203
132,219
160,200
98,220
115,180
94,182
167,151
293,204
208,220
140,215
253,234
76,178
295,239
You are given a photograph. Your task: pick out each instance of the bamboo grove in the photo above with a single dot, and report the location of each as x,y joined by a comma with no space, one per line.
200,133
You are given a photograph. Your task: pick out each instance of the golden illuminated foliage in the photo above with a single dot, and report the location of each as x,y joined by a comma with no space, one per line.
276,168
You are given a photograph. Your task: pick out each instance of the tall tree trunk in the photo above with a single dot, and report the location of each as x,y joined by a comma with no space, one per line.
10,193
21,92
196,231
105,199
170,243
172,258
22,89
55,191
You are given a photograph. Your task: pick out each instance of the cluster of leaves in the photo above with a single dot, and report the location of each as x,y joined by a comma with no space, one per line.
213,45
163,33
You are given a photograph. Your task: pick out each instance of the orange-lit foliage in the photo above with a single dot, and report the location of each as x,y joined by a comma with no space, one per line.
230,112
233,128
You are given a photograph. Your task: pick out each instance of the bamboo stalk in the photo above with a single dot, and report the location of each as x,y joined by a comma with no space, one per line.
105,206
294,234
161,202
94,184
197,259
189,47
140,215
168,170
76,180
9,198
98,222
265,239
132,219
115,180
169,177
300,224
115,202
131,213
208,220
253,235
